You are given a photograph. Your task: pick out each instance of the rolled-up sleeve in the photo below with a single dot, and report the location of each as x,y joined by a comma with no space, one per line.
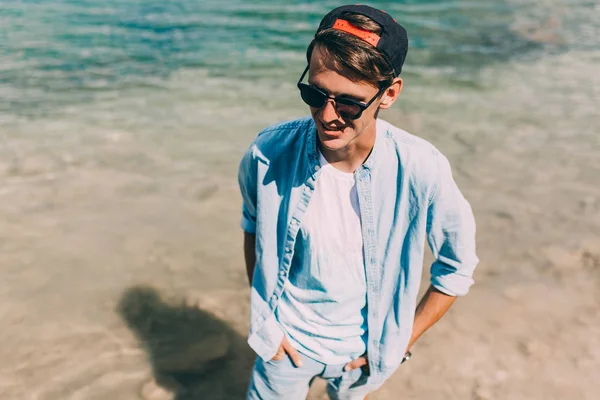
451,234
248,189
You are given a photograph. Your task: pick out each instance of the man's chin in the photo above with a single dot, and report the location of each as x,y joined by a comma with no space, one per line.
333,145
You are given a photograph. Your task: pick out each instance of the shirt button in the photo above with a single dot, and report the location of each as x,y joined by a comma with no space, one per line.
282,273
288,249
294,222
273,298
317,167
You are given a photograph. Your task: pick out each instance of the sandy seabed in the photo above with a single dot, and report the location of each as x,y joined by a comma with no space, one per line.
121,285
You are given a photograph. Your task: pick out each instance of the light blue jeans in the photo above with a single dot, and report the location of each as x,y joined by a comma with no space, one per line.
282,380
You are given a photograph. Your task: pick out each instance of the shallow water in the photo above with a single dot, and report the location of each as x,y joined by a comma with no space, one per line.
122,124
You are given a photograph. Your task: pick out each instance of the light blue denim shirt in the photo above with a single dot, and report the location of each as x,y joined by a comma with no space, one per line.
406,193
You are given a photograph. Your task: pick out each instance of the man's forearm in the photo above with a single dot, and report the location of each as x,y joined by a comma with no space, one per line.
432,307
250,254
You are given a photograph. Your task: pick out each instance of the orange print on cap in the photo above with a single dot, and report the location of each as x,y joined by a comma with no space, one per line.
345,26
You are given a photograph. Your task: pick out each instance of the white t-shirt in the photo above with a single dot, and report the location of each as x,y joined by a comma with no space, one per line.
323,306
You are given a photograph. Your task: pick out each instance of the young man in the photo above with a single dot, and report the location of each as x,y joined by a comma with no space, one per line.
335,212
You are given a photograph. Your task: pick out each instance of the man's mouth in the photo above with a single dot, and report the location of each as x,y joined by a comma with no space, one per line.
332,130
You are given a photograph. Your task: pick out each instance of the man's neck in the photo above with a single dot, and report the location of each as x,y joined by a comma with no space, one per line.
351,157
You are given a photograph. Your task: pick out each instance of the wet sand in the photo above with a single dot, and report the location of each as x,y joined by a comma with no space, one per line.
127,283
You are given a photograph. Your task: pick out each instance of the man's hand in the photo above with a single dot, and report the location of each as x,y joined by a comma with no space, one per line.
361,361
286,348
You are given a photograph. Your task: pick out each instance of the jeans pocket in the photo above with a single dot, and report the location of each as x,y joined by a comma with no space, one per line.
361,379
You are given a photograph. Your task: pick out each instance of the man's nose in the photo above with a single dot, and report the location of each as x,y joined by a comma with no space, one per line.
328,112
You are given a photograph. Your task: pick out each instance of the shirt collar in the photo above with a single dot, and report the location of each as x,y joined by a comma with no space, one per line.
380,131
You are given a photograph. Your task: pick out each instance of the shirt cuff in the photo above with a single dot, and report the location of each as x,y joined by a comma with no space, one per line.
452,284
266,341
248,225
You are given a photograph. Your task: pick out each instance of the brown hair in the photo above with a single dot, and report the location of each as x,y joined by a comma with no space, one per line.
352,56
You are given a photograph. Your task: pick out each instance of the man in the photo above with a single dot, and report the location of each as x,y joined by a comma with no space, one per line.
335,212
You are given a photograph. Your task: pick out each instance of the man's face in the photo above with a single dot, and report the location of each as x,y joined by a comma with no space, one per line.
336,132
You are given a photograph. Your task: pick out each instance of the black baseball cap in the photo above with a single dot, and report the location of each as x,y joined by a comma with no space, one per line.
393,41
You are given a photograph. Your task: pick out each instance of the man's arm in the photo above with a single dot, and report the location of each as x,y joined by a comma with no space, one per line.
451,236
247,180
250,254
432,307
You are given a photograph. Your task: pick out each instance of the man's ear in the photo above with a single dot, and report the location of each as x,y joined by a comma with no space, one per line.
391,94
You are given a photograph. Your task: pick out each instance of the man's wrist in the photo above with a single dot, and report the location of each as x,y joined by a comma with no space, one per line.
406,357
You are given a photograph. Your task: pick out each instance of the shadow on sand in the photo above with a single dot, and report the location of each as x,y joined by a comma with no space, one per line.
194,354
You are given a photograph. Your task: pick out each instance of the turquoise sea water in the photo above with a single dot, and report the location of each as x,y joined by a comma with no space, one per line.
59,52
122,124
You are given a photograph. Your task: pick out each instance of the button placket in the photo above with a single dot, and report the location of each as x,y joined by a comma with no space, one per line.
371,270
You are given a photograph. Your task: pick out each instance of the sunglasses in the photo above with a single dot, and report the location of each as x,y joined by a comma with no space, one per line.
346,108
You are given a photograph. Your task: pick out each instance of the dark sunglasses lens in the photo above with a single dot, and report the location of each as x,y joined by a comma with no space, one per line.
317,99
347,109
312,96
